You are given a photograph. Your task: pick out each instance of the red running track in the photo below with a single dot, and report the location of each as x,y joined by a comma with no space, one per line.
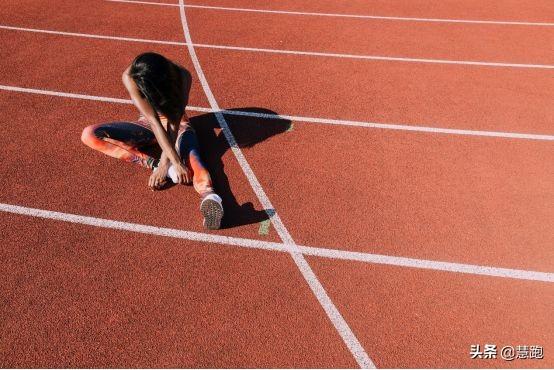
75,295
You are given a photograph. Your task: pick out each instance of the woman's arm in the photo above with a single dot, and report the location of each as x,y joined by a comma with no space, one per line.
172,130
150,114
166,139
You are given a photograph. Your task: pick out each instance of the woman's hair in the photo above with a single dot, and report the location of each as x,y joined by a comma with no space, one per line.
160,81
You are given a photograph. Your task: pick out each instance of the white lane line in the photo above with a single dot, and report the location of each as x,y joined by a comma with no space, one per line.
389,126
339,15
336,318
429,264
333,254
143,229
65,94
325,121
290,52
379,57
90,36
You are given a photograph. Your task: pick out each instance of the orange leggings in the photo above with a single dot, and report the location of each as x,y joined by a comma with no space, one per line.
124,140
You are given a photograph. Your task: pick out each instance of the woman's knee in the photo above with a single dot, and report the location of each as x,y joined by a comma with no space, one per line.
90,135
186,141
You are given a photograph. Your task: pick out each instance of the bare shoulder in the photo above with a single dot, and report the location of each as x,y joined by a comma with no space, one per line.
129,83
125,76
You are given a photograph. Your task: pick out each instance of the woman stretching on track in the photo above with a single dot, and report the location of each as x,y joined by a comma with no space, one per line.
159,89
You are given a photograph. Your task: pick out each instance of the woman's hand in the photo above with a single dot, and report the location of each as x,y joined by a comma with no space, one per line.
183,174
158,177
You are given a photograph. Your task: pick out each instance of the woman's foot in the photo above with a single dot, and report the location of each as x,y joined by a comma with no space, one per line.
212,210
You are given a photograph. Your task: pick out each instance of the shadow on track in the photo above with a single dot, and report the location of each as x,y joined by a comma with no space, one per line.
248,131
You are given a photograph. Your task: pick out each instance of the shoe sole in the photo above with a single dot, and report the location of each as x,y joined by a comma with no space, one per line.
213,213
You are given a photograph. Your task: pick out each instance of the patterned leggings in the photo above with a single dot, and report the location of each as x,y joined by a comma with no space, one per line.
124,140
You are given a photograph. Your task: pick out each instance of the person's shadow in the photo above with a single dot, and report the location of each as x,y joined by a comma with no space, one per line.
248,130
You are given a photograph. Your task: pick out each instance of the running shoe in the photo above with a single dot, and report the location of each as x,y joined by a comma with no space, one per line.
212,210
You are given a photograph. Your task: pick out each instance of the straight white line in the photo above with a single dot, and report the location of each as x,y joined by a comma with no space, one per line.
143,229
290,52
387,126
326,121
65,94
378,57
334,254
429,264
339,15
336,318
91,36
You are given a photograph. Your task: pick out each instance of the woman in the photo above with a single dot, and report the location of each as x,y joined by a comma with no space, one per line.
159,89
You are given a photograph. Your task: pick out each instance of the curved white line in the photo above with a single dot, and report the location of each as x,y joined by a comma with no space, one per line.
315,285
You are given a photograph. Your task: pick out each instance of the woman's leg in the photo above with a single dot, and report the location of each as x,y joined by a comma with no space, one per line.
188,149
121,140
211,205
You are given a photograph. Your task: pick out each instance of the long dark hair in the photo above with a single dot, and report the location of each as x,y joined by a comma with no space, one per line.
160,81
